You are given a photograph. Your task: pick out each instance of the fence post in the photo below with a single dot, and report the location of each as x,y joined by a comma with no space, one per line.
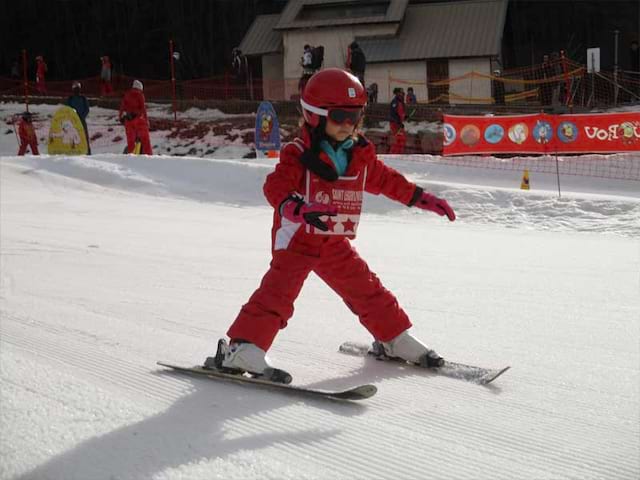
25,78
615,68
567,83
173,81
558,173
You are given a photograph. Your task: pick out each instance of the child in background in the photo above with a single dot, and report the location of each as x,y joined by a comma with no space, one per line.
27,135
411,97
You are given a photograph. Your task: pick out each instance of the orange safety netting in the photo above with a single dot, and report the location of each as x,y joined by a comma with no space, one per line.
559,81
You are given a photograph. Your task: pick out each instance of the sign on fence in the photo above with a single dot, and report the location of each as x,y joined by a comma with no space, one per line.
542,133
267,130
66,133
593,60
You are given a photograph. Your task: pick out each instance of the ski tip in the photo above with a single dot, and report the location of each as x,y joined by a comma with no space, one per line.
488,379
367,391
361,392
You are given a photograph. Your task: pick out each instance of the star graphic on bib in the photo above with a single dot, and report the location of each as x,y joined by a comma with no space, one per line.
330,223
348,225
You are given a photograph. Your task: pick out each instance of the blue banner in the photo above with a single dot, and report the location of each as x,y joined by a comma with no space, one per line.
267,128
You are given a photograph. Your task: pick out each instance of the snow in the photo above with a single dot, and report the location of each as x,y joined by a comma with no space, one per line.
111,262
103,123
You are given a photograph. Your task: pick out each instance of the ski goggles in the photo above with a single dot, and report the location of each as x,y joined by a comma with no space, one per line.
341,115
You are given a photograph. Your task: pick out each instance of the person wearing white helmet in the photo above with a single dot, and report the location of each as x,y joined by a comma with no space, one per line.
133,115
80,104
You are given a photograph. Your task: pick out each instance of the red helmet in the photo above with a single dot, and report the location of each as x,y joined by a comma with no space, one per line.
331,88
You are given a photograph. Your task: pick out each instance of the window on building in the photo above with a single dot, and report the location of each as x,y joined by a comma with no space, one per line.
354,9
438,74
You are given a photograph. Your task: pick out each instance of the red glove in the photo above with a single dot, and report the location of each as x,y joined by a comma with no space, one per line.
426,201
296,210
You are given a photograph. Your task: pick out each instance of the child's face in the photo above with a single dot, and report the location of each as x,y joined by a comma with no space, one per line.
339,131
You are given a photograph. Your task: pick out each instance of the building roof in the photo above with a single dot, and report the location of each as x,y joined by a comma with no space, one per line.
443,30
261,38
436,30
291,17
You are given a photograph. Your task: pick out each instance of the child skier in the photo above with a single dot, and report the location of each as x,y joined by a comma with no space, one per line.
27,135
316,191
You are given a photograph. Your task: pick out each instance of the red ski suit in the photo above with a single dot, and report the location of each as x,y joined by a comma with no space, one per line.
298,249
28,138
133,104
398,134
41,73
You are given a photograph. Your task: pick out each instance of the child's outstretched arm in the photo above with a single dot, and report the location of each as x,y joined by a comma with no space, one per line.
387,181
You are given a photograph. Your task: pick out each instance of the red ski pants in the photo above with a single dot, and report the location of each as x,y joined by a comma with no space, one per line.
105,88
138,128
32,145
340,266
398,139
41,86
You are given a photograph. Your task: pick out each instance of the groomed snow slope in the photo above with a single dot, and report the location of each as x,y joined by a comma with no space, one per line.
110,262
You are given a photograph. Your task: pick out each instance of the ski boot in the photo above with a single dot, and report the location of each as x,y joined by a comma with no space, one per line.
240,357
408,348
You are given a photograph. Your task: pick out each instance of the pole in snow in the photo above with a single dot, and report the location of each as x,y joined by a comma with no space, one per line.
558,174
173,81
25,79
615,67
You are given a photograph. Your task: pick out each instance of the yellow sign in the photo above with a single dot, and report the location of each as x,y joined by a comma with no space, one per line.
524,185
66,133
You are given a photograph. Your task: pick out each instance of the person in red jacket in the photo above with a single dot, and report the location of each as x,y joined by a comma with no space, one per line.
41,74
105,76
133,114
27,135
397,116
316,191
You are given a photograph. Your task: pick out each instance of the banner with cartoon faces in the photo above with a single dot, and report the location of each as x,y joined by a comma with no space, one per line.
541,133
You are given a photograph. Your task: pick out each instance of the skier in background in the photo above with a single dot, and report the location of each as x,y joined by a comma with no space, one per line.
240,66
106,88
397,115
306,62
372,93
80,104
316,192
41,75
411,97
133,115
27,135
356,61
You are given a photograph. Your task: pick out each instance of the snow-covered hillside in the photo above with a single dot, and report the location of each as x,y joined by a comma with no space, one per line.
112,262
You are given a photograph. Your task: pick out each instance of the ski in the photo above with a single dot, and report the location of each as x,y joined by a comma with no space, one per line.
469,373
359,392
